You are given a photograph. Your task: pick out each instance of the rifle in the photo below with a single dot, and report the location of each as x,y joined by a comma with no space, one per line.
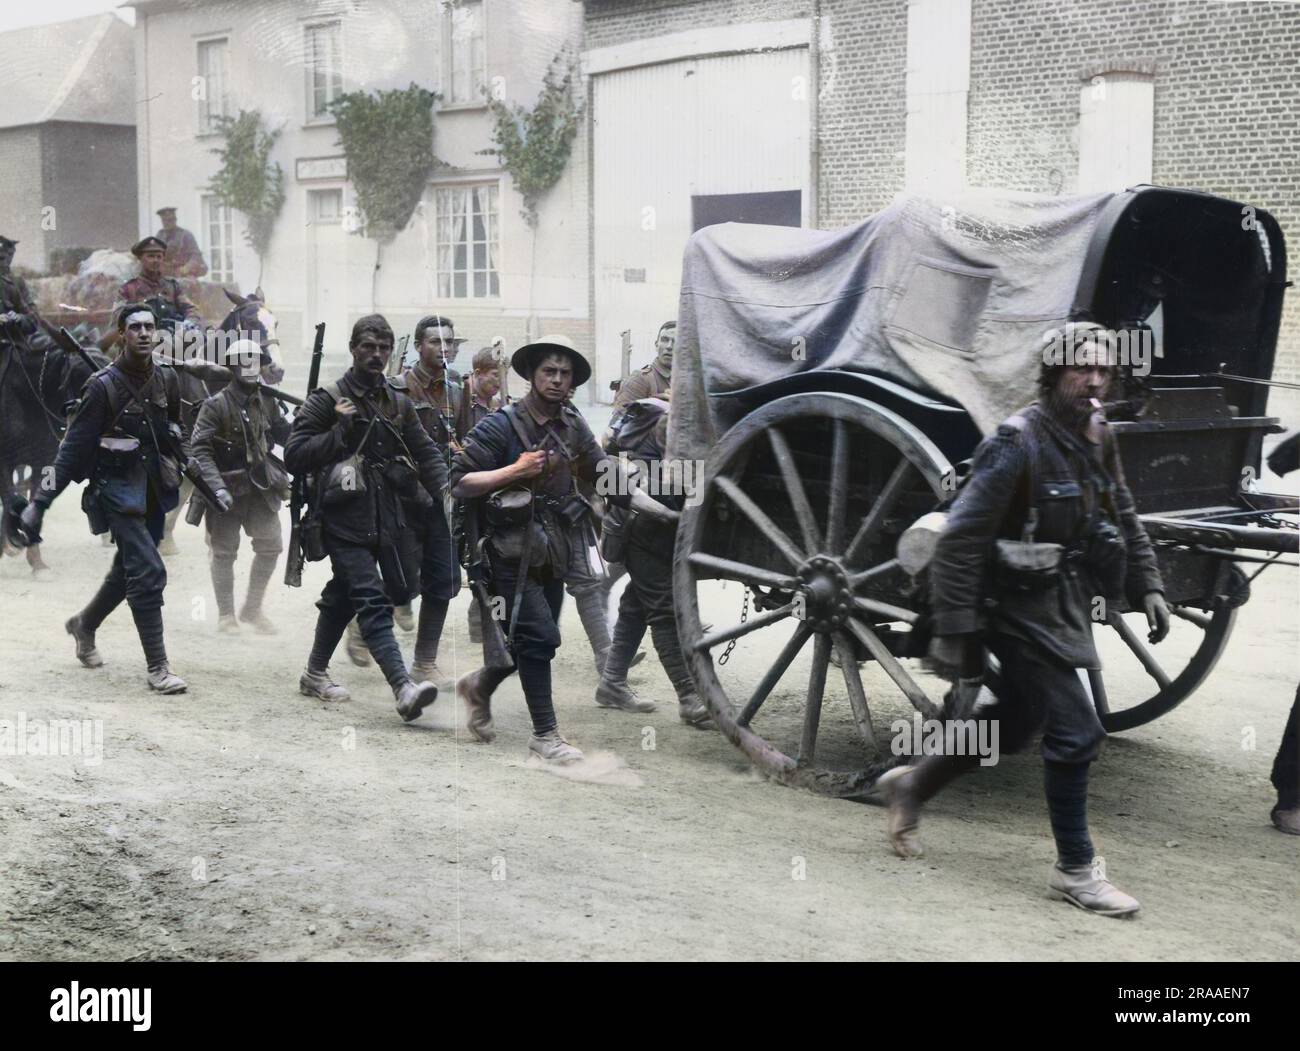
294,562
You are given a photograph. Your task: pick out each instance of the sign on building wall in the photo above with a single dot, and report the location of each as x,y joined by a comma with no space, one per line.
309,168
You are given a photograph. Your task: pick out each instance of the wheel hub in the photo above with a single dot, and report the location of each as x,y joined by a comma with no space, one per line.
826,592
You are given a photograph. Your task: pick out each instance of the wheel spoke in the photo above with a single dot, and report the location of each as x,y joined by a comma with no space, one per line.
839,488
893,668
775,535
794,488
768,683
858,579
1139,650
884,609
812,712
738,630
728,570
1194,616
889,495
1099,699
857,694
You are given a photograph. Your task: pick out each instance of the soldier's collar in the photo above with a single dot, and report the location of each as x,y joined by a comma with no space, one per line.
529,404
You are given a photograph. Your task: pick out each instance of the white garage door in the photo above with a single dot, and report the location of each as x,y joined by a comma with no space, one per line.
663,134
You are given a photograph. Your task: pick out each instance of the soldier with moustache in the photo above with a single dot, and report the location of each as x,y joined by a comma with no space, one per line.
361,443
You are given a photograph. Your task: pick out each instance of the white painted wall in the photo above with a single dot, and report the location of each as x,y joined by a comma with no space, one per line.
938,86
1116,131
705,124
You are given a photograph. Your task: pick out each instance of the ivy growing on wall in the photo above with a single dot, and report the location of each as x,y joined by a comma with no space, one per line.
533,145
387,138
248,180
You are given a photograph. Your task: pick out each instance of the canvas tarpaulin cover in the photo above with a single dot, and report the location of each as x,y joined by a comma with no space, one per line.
950,297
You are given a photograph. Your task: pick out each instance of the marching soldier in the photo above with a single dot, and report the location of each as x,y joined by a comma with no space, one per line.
152,285
183,257
124,437
1051,474
439,404
655,379
435,389
481,398
646,547
363,443
525,460
232,441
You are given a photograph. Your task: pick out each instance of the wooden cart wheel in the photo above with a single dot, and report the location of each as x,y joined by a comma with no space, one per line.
847,476
1134,666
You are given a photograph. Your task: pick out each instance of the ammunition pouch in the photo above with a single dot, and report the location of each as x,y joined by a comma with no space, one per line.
573,511
95,514
401,475
1105,556
1026,566
508,508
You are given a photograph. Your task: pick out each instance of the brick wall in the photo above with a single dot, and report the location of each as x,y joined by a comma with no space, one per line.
1227,95
1227,101
863,113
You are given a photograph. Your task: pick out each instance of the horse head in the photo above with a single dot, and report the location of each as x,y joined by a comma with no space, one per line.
251,319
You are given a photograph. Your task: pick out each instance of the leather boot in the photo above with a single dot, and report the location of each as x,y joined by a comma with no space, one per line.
475,689
1086,887
85,641
162,679
433,615
404,618
318,684
908,787
413,698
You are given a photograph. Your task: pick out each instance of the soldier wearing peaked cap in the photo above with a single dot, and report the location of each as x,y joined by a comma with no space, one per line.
152,287
183,257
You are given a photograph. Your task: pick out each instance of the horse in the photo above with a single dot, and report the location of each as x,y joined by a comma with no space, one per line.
35,388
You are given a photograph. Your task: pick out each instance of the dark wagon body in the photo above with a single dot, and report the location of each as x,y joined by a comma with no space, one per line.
812,476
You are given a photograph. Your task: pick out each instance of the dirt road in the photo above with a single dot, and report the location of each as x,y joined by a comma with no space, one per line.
242,821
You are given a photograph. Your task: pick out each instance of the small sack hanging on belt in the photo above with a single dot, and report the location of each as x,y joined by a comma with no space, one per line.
347,478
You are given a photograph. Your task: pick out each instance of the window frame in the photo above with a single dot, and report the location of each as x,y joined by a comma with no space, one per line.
492,242
311,118
216,273
475,101
203,111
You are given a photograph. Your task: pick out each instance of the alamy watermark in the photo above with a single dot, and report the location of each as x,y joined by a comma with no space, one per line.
975,737
617,477
67,737
1084,346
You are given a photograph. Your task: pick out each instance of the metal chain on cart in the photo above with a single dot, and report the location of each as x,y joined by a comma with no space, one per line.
744,615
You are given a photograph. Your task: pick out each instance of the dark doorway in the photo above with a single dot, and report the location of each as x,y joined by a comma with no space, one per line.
780,208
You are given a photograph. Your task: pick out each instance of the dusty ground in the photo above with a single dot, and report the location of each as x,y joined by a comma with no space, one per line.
242,821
